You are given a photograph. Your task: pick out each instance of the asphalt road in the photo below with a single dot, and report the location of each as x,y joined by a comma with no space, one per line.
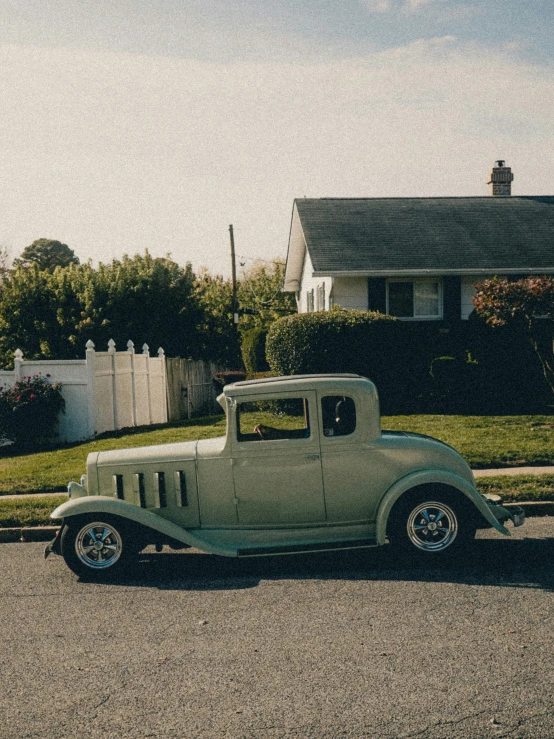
342,645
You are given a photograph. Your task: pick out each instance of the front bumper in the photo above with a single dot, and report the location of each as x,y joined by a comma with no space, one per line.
515,514
55,544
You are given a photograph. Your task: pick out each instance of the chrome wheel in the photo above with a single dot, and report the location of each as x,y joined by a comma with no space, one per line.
432,526
98,545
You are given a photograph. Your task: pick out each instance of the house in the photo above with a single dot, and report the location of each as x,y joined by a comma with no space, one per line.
416,258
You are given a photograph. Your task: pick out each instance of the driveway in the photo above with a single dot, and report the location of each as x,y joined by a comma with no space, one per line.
342,645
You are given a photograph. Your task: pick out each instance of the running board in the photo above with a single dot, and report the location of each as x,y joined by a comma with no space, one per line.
306,548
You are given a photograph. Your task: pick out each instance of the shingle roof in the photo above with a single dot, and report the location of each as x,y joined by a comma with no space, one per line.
411,234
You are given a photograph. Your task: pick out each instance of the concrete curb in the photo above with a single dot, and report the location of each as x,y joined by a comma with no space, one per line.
28,533
46,533
534,507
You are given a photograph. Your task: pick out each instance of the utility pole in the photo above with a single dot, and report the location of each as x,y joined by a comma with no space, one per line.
234,274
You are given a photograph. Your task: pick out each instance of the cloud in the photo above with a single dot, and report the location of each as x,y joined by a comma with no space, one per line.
385,6
416,4
378,6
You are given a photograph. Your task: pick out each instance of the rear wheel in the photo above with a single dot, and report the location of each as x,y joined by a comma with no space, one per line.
431,525
97,546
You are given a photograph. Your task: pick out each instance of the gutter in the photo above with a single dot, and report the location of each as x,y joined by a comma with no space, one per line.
434,272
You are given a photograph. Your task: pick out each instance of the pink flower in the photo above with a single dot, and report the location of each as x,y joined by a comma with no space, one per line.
18,397
32,396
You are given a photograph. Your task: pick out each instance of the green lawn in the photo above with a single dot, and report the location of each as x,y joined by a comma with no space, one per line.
485,441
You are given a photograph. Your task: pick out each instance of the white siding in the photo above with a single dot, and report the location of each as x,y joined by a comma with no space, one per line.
350,292
309,283
468,290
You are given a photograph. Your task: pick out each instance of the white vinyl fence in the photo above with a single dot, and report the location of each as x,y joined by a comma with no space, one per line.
103,392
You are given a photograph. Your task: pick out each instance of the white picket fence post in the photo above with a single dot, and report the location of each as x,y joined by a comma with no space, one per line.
17,362
111,350
161,355
131,351
90,353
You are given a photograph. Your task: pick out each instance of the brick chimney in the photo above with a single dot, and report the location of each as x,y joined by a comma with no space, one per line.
500,180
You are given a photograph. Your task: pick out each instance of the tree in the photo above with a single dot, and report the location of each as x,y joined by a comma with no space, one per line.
217,333
261,291
4,262
527,304
260,303
54,314
47,254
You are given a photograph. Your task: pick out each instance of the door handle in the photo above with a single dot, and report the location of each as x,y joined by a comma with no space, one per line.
312,456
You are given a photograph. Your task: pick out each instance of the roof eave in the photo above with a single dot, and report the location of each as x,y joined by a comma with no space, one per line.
295,253
433,272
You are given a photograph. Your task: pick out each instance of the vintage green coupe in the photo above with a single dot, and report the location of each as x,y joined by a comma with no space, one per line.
304,467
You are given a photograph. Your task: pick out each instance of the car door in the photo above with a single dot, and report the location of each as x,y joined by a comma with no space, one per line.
347,471
278,479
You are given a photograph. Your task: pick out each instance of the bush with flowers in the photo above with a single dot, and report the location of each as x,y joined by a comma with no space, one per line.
29,410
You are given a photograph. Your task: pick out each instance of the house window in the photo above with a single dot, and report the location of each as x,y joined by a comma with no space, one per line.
310,301
414,299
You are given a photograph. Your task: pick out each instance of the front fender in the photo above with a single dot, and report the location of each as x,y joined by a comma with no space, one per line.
429,477
114,506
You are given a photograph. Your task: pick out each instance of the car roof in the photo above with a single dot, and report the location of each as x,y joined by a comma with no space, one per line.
294,382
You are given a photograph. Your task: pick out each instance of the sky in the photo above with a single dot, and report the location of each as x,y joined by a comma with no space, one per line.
128,125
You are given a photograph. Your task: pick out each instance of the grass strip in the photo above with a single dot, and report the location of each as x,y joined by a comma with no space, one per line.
29,511
519,488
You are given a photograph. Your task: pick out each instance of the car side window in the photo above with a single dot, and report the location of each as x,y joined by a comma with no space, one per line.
339,415
269,420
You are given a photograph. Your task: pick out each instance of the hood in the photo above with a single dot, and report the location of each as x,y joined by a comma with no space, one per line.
143,454
102,466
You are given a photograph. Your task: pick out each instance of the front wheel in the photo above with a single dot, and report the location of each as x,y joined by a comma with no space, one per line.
431,526
96,546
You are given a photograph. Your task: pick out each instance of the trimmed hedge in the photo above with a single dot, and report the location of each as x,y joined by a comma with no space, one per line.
327,341
417,366
362,342
453,385
253,351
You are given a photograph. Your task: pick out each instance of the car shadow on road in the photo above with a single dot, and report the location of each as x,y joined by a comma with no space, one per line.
524,563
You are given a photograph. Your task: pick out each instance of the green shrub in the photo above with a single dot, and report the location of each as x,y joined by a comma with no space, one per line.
327,341
363,342
454,383
29,410
253,351
509,376
417,366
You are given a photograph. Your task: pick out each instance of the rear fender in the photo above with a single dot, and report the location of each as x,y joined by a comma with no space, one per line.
430,477
97,504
